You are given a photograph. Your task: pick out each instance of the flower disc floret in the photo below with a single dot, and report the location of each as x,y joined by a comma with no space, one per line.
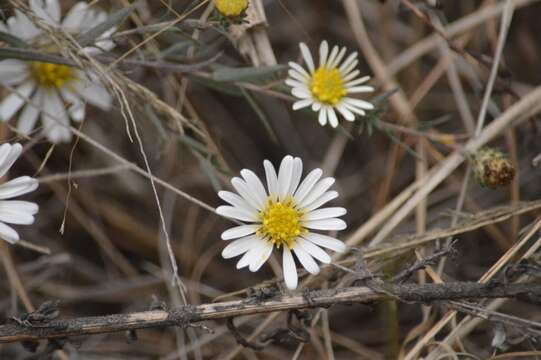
281,223
231,8
51,75
327,86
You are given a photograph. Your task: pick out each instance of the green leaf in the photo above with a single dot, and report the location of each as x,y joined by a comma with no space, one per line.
90,36
216,85
12,40
31,55
260,114
226,74
194,144
209,171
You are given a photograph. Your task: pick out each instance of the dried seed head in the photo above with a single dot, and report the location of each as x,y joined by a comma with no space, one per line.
492,168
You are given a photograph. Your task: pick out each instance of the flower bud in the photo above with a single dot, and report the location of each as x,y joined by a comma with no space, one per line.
492,168
231,9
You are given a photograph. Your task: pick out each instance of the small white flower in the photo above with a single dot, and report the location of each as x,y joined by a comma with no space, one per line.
14,211
326,87
52,87
282,216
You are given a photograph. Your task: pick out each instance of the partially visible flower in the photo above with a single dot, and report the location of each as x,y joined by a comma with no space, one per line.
492,168
282,216
14,211
231,8
54,90
326,88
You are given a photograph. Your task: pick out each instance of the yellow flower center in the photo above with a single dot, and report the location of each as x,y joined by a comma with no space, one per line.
51,75
327,85
281,223
231,8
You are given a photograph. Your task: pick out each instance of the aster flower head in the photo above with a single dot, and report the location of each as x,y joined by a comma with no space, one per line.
52,89
326,88
231,8
14,211
282,216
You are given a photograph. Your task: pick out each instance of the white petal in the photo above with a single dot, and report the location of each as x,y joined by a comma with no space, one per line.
302,78
307,184
323,199
325,213
53,8
272,179
55,128
14,101
76,106
353,108
296,175
8,155
307,57
302,104
236,201
333,120
75,16
326,242
18,212
338,58
239,231
351,76
358,81
21,26
322,118
18,186
238,247
294,83
346,64
247,194
299,69
316,106
348,115
301,93
251,255
255,185
289,269
285,173
306,260
359,103
317,191
7,233
261,256
30,113
360,89
94,93
325,224
12,72
314,250
346,71
323,52
332,56
41,9
236,213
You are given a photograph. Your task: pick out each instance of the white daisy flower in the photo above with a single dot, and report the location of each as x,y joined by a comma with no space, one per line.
282,216
14,211
326,87
58,90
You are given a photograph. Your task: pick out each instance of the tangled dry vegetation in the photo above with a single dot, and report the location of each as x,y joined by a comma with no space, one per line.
443,236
